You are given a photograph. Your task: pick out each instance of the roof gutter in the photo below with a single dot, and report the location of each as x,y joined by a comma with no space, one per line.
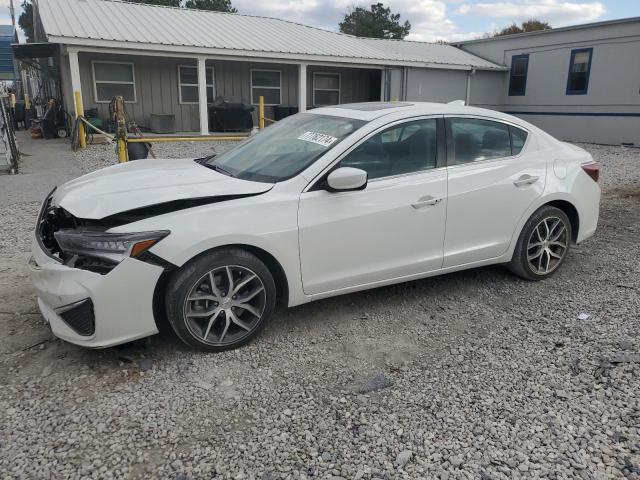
180,51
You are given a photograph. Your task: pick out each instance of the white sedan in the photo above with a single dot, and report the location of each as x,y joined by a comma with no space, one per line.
323,203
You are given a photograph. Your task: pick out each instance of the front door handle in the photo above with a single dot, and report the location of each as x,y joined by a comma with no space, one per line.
526,180
426,202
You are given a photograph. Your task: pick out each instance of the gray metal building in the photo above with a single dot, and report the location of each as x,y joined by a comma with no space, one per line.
176,61
580,83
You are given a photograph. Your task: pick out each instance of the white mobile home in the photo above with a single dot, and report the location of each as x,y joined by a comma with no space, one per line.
580,83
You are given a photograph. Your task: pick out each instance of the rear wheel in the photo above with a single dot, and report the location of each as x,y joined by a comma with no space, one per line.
543,244
221,300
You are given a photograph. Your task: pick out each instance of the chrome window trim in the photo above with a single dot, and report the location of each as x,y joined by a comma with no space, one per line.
315,179
490,119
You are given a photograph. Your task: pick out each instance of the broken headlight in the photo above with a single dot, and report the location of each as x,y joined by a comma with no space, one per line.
113,247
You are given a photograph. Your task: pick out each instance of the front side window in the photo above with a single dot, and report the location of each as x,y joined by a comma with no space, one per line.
267,84
405,148
474,139
518,77
326,89
188,84
113,79
579,70
285,148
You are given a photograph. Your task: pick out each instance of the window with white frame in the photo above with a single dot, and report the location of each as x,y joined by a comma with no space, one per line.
266,83
188,84
112,79
326,89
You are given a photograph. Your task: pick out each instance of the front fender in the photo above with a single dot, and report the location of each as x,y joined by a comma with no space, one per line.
267,222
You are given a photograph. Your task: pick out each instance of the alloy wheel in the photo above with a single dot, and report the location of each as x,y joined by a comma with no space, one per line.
225,305
548,245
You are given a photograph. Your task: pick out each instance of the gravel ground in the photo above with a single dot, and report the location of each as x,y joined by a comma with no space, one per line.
100,156
472,375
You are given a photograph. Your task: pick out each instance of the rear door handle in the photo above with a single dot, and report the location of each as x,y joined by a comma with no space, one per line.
426,202
526,180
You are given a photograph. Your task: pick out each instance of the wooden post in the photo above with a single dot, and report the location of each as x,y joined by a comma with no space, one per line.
123,155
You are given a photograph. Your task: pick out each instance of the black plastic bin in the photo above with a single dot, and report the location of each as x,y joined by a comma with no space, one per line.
229,114
283,111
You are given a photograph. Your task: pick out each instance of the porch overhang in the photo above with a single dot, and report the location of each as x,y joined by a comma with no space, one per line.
187,51
27,51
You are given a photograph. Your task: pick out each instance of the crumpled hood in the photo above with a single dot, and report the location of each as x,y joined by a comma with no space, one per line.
144,183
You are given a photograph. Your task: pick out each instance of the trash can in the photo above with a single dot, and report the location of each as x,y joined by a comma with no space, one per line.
229,114
283,111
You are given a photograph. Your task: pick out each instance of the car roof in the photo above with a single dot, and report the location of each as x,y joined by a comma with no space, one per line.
372,110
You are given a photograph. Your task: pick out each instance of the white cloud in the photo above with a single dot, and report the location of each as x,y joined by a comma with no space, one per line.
556,12
429,18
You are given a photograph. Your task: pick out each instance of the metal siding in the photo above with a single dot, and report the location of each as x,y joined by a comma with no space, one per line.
133,23
157,86
434,85
613,82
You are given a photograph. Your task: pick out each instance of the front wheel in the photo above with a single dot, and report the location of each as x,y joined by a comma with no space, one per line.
220,300
543,244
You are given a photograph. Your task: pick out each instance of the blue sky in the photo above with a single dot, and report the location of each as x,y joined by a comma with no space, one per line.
435,19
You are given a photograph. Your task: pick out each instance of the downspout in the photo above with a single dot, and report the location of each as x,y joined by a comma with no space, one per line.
405,83
467,98
387,85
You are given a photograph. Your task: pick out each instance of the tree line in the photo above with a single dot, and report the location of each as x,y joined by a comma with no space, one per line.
377,21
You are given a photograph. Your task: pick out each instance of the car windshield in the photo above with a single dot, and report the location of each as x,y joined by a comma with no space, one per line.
284,149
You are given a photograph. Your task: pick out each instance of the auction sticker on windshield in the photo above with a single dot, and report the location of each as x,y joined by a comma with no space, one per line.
319,138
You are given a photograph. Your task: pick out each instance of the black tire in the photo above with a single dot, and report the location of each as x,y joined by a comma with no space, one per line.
192,280
520,263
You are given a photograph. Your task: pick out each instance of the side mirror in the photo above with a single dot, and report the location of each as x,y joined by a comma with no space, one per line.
347,178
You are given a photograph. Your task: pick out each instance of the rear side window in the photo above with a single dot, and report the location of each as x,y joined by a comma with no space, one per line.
518,138
473,140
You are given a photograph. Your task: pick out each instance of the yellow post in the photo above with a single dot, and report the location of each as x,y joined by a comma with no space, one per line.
122,151
12,100
27,102
80,113
261,112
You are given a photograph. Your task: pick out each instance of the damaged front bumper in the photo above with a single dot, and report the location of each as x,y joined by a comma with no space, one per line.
94,310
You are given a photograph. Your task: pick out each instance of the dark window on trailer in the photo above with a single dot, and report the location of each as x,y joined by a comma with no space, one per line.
518,78
579,70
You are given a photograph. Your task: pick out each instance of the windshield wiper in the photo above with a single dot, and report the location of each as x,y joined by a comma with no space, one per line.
204,160
220,169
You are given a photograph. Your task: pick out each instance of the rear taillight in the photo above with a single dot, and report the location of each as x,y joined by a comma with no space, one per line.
593,170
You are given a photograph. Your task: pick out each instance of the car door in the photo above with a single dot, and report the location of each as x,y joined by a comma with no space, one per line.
392,228
493,177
